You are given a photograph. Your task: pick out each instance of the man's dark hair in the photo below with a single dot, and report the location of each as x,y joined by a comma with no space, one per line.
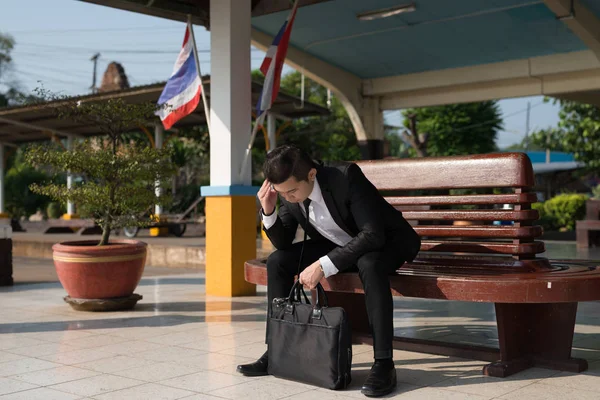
286,161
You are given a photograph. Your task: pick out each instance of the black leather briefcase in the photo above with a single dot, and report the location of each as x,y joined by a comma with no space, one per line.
309,343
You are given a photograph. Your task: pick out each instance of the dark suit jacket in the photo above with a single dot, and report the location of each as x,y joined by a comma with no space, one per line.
359,209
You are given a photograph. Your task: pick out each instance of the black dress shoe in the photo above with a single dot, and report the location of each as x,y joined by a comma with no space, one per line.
381,380
258,368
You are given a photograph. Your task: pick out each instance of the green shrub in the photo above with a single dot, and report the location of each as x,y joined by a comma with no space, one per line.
545,220
55,210
596,192
562,211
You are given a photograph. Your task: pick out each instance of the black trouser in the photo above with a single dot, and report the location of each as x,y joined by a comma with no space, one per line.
373,269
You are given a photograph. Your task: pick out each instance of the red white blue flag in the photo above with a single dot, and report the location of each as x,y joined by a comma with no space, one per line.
273,64
181,94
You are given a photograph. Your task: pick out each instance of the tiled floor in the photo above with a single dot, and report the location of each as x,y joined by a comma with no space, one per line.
178,343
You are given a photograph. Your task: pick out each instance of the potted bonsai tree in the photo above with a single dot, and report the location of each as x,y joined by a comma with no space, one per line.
118,187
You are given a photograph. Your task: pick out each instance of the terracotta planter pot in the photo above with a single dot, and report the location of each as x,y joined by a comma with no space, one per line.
87,271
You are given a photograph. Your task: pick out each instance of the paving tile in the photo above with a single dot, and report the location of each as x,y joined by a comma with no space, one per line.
321,395
254,350
543,391
475,383
205,381
77,356
8,385
115,364
41,394
575,381
202,396
436,394
129,348
96,341
16,342
169,353
97,385
59,336
157,372
54,376
259,390
145,392
177,338
214,361
25,365
43,349
6,356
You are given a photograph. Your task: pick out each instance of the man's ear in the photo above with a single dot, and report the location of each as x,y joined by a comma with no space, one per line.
312,174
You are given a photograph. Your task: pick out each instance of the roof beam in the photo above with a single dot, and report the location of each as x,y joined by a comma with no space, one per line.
534,67
582,21
38,127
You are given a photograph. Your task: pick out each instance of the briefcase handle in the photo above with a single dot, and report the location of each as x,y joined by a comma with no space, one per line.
296,294
297,288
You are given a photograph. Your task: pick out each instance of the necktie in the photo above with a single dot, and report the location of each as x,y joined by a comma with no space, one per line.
306,204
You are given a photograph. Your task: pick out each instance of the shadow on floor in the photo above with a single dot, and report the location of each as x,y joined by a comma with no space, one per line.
116,323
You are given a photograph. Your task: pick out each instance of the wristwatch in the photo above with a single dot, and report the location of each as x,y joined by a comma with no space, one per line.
262,211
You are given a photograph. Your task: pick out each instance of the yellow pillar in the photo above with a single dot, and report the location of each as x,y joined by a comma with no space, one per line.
230,198
230,240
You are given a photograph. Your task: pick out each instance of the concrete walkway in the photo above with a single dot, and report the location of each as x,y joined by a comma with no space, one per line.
179,343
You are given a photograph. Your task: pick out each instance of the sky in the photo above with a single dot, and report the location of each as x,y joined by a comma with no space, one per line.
56,39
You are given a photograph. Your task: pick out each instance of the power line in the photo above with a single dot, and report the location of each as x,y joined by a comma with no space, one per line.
37,76
68,72
117,51
51,31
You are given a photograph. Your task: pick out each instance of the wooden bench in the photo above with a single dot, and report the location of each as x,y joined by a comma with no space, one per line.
535,298
6,267
587,229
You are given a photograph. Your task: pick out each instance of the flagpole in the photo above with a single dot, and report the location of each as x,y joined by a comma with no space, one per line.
257,124
203,91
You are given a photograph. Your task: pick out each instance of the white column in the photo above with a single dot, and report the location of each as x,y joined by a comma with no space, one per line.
70,204
230,111
159,133
271,131
2,178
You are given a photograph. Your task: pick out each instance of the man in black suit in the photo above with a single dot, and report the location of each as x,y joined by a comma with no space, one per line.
351,227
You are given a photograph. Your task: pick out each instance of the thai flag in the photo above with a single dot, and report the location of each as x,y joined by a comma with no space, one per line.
273,64
183,89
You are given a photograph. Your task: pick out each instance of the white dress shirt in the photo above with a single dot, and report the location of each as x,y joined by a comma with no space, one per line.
321,219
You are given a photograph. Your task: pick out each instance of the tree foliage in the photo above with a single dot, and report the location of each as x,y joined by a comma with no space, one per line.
118,179
7,43
20,201
454,129
578,132
329,138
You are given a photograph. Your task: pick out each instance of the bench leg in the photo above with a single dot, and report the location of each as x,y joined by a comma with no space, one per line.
356,310
6,268
583,238
535,335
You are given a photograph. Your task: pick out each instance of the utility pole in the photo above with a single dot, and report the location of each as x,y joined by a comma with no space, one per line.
95,60
527,127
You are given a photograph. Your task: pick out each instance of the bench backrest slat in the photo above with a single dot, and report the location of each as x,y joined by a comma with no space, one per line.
471,223
501,170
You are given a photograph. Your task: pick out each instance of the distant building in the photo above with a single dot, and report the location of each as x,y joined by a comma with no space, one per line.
114,78
556,174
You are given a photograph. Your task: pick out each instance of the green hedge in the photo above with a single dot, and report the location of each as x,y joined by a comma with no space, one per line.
561,212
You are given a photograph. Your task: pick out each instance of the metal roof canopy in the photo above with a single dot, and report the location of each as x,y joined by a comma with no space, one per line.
29,123
443,52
